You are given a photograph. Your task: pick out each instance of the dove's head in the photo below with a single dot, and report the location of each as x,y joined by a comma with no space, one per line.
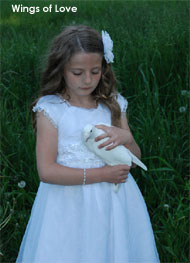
88,132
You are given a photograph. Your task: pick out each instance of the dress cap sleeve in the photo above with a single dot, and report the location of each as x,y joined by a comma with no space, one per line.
123,103
47,104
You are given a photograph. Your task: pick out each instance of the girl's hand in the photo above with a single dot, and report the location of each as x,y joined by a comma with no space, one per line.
117,136
115,174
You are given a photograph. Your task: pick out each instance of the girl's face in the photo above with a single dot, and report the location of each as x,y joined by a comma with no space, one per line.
82,73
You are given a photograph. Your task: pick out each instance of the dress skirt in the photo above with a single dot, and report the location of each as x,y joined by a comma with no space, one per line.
89,224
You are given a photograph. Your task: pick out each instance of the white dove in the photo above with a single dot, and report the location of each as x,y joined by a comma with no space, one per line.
116,156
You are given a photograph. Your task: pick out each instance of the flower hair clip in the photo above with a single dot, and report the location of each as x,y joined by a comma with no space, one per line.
108,46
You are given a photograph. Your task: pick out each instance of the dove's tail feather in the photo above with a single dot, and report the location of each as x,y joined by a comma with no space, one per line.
138,162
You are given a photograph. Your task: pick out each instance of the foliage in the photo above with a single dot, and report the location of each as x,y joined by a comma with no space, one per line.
152,67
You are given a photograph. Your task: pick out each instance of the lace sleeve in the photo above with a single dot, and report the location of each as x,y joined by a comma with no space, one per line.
123,103
48,108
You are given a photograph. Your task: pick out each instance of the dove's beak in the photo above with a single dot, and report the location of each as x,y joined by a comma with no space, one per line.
86,137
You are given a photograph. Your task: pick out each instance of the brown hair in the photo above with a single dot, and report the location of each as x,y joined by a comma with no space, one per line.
71,40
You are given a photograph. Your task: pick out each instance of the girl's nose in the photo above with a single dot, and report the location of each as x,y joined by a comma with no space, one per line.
87,78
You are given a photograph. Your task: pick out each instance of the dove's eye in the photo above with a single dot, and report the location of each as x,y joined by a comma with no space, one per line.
90,130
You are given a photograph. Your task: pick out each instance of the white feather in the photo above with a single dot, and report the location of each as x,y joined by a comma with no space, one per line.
116,156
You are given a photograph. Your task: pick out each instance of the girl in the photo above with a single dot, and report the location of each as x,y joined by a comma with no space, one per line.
76,216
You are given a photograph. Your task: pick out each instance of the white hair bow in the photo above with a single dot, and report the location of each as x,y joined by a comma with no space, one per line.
108,46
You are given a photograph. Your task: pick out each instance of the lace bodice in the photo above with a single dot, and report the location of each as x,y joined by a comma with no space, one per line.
70,121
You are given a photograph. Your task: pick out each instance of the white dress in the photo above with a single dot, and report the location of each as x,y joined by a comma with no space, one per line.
85,223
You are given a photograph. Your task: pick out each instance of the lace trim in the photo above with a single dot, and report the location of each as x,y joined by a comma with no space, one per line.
78,153
124,108
45,113
123,103
79,164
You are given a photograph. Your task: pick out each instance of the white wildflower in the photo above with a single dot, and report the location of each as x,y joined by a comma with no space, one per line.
185,92
108,46
182,109
166,206
22,184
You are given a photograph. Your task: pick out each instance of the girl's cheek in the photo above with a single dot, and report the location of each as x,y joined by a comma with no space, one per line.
98,77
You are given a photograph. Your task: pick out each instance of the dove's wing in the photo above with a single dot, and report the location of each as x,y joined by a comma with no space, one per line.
118,155
137,161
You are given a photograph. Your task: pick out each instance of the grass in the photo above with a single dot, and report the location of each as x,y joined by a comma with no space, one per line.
152,67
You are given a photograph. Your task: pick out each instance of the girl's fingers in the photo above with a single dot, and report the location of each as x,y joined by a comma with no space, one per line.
106,143
100,137
102,127
111,146
104,135
123,178
125,167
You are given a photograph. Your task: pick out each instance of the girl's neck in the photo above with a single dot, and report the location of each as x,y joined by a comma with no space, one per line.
80,101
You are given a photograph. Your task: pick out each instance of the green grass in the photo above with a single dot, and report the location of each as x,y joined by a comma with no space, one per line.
152,67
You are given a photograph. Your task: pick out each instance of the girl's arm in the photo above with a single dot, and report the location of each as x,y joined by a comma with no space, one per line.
54,173
130,141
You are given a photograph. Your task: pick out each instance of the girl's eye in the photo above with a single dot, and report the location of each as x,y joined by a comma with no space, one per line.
95,72
77,73
92,72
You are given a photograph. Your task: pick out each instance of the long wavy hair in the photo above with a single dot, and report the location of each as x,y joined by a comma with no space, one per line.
71,40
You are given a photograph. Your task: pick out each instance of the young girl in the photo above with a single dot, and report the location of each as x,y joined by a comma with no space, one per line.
76,216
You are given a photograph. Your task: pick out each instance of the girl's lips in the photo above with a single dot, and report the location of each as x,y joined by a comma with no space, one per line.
86,88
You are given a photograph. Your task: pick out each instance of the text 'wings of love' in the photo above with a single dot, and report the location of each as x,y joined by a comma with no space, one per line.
46,9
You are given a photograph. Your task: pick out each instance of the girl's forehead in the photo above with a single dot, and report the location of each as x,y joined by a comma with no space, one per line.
84,58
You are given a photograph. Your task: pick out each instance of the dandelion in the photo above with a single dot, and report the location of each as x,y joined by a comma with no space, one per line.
22,184
185,92
182,109
166,206
11,211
